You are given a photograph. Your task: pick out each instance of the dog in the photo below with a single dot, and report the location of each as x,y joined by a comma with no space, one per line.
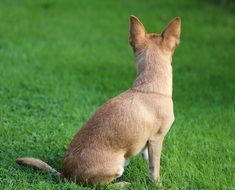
134,121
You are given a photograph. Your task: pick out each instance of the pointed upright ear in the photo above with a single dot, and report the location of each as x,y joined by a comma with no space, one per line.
171,35
137,37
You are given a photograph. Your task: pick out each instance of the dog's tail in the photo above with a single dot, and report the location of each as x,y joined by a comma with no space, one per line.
37,164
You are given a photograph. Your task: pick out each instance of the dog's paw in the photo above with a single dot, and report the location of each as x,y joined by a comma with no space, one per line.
120,185
145,154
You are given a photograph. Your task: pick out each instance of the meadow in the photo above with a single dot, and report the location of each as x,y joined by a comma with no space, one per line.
61,60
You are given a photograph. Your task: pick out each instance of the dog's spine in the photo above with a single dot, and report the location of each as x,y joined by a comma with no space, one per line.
37,164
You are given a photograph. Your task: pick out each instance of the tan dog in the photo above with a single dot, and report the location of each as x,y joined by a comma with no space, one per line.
126,124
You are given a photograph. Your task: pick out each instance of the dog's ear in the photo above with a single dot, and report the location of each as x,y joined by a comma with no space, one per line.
137,36
171,34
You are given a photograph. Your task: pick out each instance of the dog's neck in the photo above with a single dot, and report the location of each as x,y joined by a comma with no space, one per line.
154,73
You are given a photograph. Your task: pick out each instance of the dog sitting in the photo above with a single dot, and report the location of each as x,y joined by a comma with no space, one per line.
137,119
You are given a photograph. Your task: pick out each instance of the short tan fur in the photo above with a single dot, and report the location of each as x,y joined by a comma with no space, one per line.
136,119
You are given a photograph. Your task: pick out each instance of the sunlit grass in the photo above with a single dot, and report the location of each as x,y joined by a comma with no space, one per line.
60,60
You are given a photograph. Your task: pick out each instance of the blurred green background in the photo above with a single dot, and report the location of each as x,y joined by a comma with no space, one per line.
60,60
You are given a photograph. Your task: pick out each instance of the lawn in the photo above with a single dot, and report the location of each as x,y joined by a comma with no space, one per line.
60,60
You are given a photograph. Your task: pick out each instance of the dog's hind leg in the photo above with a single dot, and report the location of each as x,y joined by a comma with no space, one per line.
106,172
106,175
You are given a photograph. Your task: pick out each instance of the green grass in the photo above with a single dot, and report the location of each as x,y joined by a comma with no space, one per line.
60,60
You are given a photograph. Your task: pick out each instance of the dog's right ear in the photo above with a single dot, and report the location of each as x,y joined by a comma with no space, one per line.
137,37
171,35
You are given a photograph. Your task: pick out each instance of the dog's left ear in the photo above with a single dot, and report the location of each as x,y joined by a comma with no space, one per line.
171,35
137,37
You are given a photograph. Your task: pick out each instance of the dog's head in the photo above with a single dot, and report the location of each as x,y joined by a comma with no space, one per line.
163,44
